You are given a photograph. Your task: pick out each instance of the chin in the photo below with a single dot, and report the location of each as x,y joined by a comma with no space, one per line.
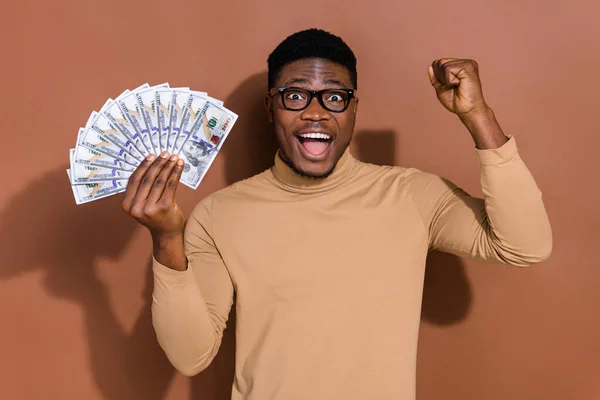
314,170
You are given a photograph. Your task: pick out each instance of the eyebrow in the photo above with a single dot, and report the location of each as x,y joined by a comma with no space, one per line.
304,81
335,82
293,81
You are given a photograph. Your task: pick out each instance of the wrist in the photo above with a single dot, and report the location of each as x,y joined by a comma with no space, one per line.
484,128
168,249
166,238
477,115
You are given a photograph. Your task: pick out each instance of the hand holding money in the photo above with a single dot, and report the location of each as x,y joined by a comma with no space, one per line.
150,195
150,199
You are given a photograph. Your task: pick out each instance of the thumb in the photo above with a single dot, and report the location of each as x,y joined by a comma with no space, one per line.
434,82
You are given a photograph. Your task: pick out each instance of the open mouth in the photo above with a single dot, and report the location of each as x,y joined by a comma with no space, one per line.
315,143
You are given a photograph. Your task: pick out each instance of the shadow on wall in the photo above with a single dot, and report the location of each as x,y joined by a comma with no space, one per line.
65,241
251,146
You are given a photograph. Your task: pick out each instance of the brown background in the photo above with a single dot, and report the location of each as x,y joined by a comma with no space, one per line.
74,280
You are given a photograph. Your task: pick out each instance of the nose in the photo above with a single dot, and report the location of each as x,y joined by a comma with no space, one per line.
314,111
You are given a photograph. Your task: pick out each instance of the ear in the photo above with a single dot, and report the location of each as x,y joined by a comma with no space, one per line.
269,106
355,105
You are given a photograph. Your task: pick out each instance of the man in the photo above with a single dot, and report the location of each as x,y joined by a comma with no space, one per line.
325,254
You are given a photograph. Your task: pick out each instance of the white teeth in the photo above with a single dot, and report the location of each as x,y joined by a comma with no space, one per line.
315,136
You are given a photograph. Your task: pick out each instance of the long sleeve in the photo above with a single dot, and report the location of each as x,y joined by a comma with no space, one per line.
190,308
509,225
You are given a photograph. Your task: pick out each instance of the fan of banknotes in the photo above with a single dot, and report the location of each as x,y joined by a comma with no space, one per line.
143,121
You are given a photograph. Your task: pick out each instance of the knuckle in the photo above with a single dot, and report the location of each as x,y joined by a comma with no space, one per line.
145,180
150,210
133,179
159,181
171,183
137,212
165,205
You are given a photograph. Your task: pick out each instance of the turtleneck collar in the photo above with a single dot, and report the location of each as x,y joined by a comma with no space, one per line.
291,181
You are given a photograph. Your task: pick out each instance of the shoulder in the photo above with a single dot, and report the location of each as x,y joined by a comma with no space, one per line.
232,194
389,174
403,182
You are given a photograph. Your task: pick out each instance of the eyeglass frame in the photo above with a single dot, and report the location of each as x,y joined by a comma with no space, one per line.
314,93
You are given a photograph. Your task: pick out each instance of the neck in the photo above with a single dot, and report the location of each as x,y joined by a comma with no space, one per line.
287,161
289,178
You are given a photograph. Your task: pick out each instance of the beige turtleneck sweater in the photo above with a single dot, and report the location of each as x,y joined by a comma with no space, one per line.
328,274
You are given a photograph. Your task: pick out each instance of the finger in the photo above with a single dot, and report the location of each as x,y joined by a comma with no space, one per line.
451,76
434,82
448,70
438,71
147,180
455,70
442,69
161,180
172,183
134,181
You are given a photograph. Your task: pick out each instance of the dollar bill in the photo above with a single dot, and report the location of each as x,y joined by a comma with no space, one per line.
132,112
194,108
115,116
105,129
84,193
205,140
85,173
84,155
93,140
179,102
146,105
162,99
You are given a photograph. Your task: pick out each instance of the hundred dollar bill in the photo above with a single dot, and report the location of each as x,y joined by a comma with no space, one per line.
205,140
84,173
132,112
178,103
81,173
93,140
147,106
83,155
194,108
217,122
117,118
162,100
87,192
105,129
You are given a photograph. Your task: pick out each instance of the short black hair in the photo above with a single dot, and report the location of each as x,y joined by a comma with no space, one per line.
311,43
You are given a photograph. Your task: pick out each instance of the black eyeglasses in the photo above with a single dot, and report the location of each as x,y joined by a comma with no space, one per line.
297,99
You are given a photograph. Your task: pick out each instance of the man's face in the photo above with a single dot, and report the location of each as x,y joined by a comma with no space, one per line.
312,157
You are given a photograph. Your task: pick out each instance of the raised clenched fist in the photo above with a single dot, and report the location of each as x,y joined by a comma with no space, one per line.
457,85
